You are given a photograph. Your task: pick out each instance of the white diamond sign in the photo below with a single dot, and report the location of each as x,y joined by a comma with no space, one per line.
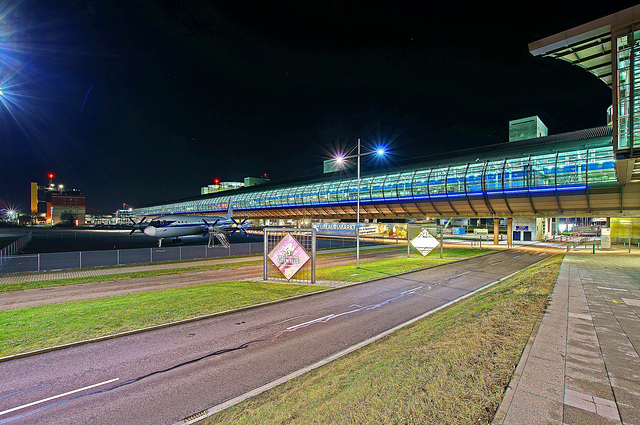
424,242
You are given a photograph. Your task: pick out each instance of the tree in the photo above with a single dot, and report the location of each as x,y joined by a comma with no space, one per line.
68,217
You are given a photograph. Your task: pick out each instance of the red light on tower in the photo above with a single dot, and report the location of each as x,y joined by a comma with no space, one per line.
216,181
50,179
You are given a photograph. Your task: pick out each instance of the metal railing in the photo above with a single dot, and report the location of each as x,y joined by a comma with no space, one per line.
120,257
26,263
14,248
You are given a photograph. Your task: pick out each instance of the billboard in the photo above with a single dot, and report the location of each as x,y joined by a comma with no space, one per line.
372,229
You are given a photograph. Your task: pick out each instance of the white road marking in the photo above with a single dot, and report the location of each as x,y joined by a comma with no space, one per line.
462,274
631,301
516,256
359,308
412,290
311,321
293,318
44,400
497,262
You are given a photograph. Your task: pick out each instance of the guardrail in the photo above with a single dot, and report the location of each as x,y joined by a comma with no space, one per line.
14,247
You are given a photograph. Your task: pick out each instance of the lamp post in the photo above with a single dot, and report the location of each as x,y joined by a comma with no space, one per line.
358,214
380,151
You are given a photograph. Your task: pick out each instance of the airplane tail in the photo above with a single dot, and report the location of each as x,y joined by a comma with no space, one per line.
229,213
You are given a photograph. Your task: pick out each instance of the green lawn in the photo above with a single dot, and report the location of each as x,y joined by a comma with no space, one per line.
416,261
18,286
449,368
32,328
391,266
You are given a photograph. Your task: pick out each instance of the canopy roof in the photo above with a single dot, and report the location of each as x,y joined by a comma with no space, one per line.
588,45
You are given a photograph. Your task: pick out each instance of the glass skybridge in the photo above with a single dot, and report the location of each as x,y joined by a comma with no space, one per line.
483,181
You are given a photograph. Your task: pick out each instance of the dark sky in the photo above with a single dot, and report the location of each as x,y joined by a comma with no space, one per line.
141,102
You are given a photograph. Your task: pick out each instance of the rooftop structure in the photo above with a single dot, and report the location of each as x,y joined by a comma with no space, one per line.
527,128
220,187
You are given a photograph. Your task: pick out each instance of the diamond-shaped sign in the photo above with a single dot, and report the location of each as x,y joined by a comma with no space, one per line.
289,256
424,242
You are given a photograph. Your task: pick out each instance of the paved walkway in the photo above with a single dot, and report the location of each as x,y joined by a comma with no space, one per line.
582,365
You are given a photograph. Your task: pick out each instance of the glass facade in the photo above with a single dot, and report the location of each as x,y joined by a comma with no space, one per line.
532,174
628,78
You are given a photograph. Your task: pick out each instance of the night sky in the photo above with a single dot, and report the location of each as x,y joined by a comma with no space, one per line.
141,102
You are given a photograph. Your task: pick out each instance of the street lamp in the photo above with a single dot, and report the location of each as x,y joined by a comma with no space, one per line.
340,159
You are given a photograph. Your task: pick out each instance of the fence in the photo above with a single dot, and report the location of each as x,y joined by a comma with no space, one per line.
13,248
26,263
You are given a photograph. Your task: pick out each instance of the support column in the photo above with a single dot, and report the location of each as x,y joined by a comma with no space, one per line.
496,231
547,228
509,232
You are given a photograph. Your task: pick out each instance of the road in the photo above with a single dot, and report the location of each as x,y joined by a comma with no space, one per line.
162,376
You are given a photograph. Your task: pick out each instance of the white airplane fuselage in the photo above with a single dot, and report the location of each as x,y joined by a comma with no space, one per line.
176,225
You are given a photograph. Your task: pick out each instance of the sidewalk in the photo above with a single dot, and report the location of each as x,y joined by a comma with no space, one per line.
582,365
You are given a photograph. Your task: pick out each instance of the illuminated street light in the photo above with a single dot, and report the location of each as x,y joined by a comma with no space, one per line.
340,159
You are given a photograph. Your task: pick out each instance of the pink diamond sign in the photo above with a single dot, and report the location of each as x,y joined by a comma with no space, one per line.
289,256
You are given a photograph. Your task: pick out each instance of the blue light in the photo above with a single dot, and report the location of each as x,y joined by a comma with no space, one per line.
569,188
542,189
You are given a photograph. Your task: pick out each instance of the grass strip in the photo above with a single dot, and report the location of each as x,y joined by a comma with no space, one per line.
375,269
18,286
32,328
450,368
391,266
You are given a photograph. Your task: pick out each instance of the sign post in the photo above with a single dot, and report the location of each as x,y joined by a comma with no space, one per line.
425,241
605,238
290,253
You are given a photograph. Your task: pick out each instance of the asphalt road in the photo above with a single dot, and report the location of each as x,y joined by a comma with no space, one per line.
162,376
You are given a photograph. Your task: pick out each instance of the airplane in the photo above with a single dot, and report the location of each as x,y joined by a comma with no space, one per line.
176,225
